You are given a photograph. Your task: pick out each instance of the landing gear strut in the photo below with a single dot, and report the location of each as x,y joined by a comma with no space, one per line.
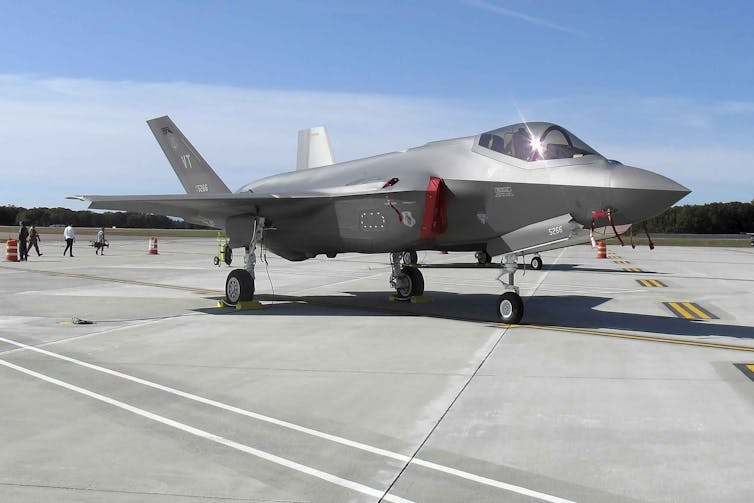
510,307
239,286
407,281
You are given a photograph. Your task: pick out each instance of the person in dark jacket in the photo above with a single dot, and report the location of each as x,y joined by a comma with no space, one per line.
34,240
23,235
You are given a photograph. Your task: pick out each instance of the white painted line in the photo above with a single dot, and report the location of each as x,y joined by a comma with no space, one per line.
327,477
491,482
299,428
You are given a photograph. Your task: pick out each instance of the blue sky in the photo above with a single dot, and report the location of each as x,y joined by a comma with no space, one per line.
664,85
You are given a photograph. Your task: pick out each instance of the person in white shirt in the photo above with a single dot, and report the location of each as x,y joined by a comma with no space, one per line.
69,236
99,245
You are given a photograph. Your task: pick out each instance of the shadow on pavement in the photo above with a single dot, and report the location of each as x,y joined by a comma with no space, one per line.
568,311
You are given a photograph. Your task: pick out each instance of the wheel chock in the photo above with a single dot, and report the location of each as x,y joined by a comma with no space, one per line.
421,299
242,306
248,305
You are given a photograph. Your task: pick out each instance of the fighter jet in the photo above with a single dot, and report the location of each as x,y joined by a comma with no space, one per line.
516,190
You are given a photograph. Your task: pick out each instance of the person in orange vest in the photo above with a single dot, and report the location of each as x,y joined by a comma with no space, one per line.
23,235
34,239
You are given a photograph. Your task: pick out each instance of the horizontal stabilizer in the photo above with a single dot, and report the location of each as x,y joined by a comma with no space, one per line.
314,149
193,171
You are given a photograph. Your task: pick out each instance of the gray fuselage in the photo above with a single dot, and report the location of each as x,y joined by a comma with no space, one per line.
487,194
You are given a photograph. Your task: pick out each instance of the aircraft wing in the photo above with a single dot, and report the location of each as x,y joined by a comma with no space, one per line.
210,209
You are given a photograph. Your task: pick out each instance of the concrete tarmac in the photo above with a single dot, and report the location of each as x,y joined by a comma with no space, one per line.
609,391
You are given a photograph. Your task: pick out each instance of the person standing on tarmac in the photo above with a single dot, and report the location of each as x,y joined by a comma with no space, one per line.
70,237
99,246
23,235
34,239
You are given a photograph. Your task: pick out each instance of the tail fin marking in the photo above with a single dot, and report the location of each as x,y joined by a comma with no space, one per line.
192,170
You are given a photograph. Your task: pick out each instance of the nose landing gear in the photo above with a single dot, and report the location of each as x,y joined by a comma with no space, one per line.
510,307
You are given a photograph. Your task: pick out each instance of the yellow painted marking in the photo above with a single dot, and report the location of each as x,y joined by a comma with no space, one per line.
696,310
617,335
751,368
632,269
651,283
680,310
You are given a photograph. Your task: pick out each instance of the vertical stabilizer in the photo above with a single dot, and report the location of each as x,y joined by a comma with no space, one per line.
193,171
314,148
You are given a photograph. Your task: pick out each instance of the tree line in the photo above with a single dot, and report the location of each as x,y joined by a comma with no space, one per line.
44,217
712,218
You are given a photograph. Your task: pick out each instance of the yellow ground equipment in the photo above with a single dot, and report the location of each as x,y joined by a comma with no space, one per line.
224,251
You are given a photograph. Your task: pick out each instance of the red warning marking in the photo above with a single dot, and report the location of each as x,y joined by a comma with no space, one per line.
435,220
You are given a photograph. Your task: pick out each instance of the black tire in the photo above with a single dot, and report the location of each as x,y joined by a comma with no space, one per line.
417,280
483,257
228,254
410,258
536,263
414,285
239,286
510,308
216,261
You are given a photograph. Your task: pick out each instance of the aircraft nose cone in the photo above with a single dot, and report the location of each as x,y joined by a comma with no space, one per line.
642,194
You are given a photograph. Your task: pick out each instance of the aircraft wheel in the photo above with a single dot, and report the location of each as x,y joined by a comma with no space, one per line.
239,286
228,254
216,260
483,257
410,258
536,263
411,284
510,308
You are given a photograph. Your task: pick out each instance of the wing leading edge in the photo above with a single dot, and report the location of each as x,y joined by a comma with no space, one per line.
208,209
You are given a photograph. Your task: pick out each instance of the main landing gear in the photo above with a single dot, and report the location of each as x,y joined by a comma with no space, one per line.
510,307
483,257
239,286
536,262
410,258
407,280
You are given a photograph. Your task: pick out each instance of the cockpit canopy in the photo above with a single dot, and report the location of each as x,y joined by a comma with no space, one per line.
535,141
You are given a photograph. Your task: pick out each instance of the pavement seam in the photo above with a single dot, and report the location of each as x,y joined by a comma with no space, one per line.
301,429
146,493
442,416
420,462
